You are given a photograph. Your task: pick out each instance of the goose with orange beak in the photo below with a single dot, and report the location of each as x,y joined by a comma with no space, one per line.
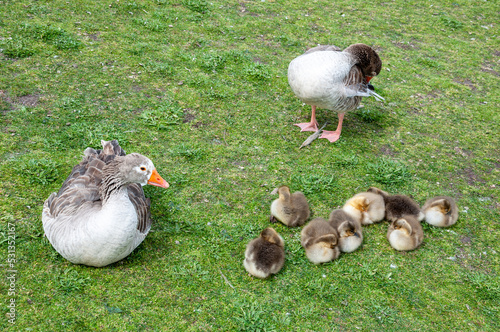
100,214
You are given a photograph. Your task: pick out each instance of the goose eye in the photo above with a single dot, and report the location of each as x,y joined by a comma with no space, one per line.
143,168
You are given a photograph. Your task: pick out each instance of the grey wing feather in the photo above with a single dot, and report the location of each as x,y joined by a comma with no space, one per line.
82,185
141,204
355,85
323,48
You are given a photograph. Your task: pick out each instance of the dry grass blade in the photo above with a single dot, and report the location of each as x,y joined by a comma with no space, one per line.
314,136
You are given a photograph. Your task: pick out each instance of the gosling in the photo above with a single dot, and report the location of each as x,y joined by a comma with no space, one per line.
291,209
265,255
440,211
405,233
366,208
349,230
397,206
320,239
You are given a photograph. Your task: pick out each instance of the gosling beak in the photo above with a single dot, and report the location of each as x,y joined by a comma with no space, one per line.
157,180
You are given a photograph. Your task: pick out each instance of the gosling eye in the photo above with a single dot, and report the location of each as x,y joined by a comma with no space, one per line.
143,168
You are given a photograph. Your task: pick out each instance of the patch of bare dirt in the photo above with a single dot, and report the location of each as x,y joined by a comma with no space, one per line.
406,46
462,152
243,9
198,124
93,36
387,151
29,100
5,102
487,67
188,115
470,176
137,88
465,240
465,82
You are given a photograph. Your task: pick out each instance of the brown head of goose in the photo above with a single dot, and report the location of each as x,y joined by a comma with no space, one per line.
327,77
100,214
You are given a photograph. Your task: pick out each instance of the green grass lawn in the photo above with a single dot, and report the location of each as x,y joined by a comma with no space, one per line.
200,88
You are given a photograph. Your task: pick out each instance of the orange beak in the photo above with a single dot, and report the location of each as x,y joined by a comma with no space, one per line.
157,180
368,78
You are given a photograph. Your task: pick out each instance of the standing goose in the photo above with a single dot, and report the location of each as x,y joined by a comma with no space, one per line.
100,214
336,80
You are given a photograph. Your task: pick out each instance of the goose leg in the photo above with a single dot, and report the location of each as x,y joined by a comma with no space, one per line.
309,126
332,136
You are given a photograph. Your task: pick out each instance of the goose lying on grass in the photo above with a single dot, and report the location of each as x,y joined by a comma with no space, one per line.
100,214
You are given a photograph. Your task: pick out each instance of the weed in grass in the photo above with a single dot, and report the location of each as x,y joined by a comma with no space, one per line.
56,36
69,103
252,318
369,115
161,69
313,184
389,172
383,313
187,152
40,171
194,270
216,94
163,116
129,6
199,6
90,134
67,42
287,41
346,161
140,49
486,285
151,24
71,281
38,9
112,310
18,48
429,63
319,287
257,71
212,61
239,56
451,23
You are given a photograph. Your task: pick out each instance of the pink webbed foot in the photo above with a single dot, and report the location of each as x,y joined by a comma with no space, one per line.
332,136
307,126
